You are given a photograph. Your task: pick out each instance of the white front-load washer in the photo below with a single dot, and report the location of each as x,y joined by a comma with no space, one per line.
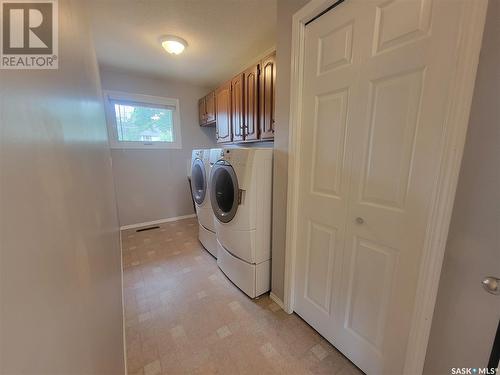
241,194
200,185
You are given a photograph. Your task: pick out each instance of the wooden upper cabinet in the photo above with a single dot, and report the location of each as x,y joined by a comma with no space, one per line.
267,96
206,110
251,103
210,107
238,107
202,111
223,113
243,108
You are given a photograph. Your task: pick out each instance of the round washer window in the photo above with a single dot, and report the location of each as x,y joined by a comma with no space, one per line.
224,191
198,181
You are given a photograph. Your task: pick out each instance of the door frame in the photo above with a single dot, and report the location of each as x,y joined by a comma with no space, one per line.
469,45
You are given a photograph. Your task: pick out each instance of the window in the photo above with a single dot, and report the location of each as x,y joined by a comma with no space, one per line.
142,121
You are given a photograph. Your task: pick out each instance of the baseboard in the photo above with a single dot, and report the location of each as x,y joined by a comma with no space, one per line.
277,300
161,221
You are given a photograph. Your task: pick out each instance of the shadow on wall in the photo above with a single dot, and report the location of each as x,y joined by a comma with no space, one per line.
61,307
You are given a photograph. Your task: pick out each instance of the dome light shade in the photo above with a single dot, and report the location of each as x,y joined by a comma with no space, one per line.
173,44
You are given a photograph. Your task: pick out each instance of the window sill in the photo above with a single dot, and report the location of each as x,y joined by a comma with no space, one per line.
145,146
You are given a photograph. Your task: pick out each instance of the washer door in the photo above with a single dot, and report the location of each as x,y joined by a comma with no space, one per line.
224,191
198,181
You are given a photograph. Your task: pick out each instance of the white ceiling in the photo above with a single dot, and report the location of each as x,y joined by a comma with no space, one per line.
223,36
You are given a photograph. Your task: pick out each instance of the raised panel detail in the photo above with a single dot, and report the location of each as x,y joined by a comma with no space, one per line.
399,22
395,107
223,113
237,107
267,88
371,279
251,103
335,49
329,142
319,269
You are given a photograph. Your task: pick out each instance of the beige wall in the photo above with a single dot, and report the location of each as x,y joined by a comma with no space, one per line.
152,184
286,9
60,262
466,317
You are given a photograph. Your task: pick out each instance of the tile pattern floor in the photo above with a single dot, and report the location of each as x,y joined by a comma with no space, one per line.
183,316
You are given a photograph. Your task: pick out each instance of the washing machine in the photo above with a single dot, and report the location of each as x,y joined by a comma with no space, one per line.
241,195
200,185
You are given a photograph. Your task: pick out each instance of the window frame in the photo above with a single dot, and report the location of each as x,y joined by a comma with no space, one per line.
114,143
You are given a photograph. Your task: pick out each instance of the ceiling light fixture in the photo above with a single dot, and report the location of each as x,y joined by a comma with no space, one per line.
173,44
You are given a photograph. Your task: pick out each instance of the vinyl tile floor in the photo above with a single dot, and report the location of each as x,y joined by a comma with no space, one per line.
183,316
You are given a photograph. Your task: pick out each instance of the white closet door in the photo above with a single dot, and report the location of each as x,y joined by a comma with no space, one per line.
377,77
333,60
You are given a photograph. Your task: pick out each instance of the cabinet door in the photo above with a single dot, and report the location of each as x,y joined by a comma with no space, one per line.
210,107
237,104
202,112
267,96
223,113
251,114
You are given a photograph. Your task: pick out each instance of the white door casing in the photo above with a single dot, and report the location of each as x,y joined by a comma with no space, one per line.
374,160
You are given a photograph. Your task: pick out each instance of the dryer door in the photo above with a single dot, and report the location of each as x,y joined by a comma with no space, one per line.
198,181
224,191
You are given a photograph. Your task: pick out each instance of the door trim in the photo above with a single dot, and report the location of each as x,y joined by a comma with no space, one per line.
469,45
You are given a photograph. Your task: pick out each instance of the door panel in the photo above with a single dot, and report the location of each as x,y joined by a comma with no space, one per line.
371,275
201,111
223,113
335,48
327,106
210,107
391,32
251,123
329,142
319,267
238,110
374,104
395,103
267,96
